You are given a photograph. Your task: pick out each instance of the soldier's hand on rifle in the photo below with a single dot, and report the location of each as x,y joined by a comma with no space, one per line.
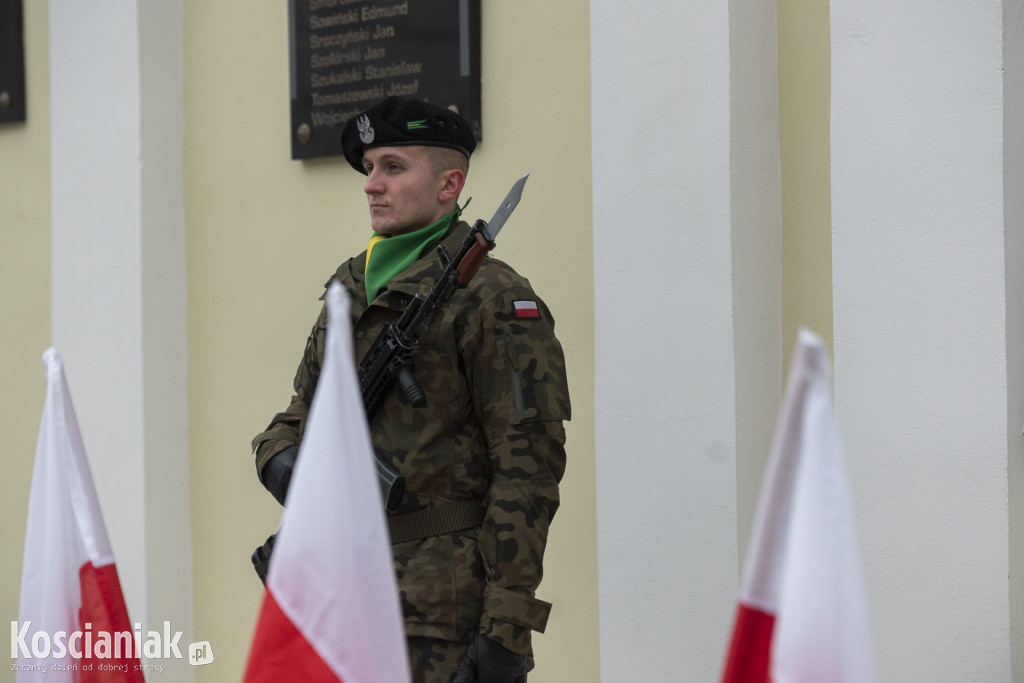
277,473
488,662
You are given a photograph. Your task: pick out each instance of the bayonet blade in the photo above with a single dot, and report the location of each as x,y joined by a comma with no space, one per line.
505,210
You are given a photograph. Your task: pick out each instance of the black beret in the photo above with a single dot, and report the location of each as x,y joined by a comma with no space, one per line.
404,121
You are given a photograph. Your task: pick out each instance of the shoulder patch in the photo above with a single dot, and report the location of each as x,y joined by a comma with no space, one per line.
526,309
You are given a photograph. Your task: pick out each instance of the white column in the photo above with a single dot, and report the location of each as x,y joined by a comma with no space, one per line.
119,281
921,325
676,337
756,232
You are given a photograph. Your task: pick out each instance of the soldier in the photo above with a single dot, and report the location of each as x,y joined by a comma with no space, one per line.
483,459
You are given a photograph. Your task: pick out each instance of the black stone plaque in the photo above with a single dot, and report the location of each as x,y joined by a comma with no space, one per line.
12,62
347,55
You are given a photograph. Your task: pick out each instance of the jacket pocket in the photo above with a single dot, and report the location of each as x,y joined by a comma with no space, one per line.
517,387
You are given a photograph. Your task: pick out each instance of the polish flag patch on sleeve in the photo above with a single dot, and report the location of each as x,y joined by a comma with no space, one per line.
526,309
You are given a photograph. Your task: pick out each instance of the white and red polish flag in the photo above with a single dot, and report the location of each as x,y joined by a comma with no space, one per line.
331,610
802,614
70,592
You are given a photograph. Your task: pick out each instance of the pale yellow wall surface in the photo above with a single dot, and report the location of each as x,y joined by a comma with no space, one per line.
25,303
804,103
264,233
804,106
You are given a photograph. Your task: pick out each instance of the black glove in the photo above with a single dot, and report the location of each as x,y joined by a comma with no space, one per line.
277,473
488,662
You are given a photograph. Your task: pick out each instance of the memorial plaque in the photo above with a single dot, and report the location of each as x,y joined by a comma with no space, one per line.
349,54
12,62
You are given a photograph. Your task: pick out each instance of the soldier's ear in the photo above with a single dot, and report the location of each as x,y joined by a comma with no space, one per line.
453,180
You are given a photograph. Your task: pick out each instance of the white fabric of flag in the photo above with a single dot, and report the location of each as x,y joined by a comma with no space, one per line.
331,611
69,582
802,611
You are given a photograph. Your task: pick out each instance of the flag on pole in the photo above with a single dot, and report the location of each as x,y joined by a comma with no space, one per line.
331,610
72,610
802,614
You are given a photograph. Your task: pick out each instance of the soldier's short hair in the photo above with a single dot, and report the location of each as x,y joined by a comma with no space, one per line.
444,159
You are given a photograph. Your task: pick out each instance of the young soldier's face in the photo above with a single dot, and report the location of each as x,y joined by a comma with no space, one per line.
403,192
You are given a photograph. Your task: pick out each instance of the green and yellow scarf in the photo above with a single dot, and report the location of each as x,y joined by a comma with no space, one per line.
387,256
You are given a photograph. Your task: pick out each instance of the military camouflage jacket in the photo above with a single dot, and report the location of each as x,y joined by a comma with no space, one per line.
494,376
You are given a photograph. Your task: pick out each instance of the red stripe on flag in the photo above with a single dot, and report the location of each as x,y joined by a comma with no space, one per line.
750,651
104,609
279,652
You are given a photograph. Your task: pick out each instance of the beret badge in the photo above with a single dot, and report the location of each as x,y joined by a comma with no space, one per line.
366,131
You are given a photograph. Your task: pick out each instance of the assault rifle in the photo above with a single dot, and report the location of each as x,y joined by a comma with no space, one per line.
389,360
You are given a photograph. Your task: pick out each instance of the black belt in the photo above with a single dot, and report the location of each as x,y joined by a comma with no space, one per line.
447,519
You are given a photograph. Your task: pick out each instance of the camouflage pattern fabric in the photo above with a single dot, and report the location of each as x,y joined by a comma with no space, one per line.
492,431
433,660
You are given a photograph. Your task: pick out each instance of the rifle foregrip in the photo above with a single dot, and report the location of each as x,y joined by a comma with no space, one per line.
411,388
470,263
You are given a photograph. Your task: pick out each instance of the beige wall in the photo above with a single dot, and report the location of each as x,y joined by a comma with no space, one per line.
806,297
1013,160
25,303
265,233
804,103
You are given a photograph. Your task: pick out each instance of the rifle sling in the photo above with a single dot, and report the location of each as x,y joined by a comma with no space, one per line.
447,519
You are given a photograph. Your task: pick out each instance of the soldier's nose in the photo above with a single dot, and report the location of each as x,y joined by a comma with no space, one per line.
373,184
